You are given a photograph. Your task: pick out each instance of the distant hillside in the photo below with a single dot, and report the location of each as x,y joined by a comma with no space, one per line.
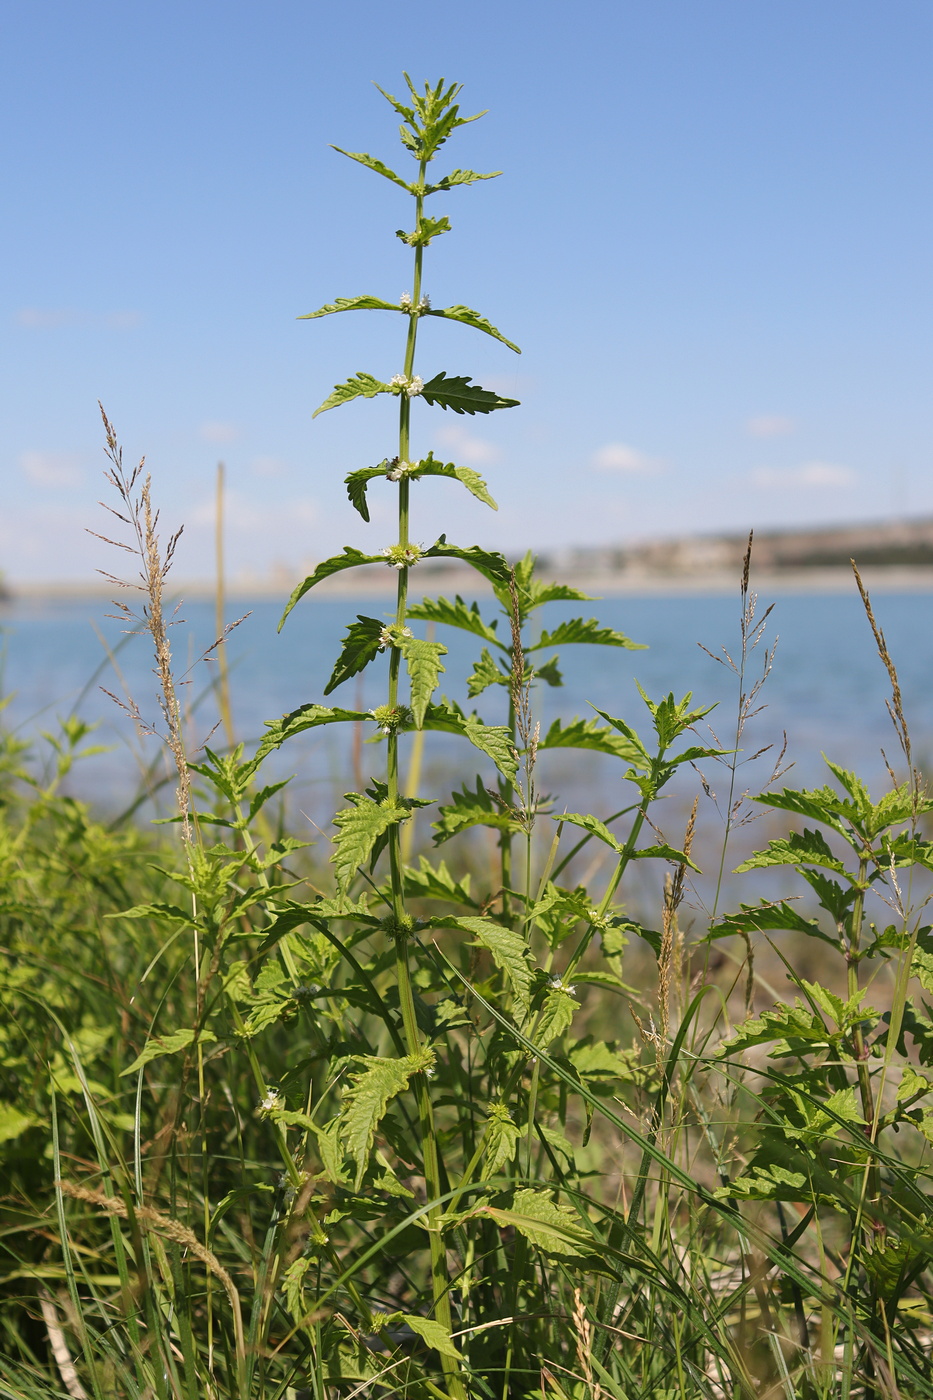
892,544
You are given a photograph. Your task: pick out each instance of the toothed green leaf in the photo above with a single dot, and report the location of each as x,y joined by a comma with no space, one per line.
307,717
357,482
467,317
472,808
423,660
806,848
459,177
492,566
486,672
459,394
361,645
553,1228
578,629
365,1103
472,480
432,1332
494,740
350,559
364,303
589,734
372,163
456,614
360,826
161,1045
361,386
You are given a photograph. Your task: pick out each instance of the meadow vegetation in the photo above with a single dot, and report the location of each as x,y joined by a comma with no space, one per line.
290,1124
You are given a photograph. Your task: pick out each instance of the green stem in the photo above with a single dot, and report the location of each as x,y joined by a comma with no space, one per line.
440,1282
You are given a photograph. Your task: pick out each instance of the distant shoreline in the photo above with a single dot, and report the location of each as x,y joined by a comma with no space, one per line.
373,582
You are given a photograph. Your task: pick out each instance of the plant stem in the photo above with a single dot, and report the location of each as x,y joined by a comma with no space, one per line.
439,1277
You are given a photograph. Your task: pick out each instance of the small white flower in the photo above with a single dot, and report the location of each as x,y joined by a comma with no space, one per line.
404,301
424,304
400,469
271,1101
414,386
398,381
385,638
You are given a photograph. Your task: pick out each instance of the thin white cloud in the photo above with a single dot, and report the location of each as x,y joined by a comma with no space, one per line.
51,469
807,476
770,425
215,431
620,457
467,447
37,318
268,466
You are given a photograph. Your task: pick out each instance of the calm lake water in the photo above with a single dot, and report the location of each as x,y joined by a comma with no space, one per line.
827,687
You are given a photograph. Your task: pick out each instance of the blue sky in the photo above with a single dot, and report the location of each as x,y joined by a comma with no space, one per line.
711,239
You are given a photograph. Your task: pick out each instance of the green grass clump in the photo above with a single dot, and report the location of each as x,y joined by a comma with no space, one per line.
382,1128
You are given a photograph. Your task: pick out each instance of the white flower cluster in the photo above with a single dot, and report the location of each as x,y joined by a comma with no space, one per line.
401,556
391,636
559,986
398,469
424,304
271,1102
409,386
404,301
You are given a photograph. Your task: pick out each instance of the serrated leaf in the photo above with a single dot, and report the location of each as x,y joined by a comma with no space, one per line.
361,645
351,558
585,630
783,1022
758,917
587,822
306,717
357,482
378,166
423,660
821,804
436,882
589,734
501,1140
474,483
508,950
459,394
494,740
555,1016
432,1332
661,851
360,826
459,177
552,1227
467,317
492,566
486,672
549,672
427,229
159,911
472,808
167,1045
360,386
455,614
806,848
365,1103
363,303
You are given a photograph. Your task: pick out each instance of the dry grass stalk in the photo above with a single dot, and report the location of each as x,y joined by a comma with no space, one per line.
143,521
59,1346
584,1345
895,705
171,1230
671,939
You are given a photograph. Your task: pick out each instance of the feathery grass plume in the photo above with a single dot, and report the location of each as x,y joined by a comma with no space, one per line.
143,522
895,706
